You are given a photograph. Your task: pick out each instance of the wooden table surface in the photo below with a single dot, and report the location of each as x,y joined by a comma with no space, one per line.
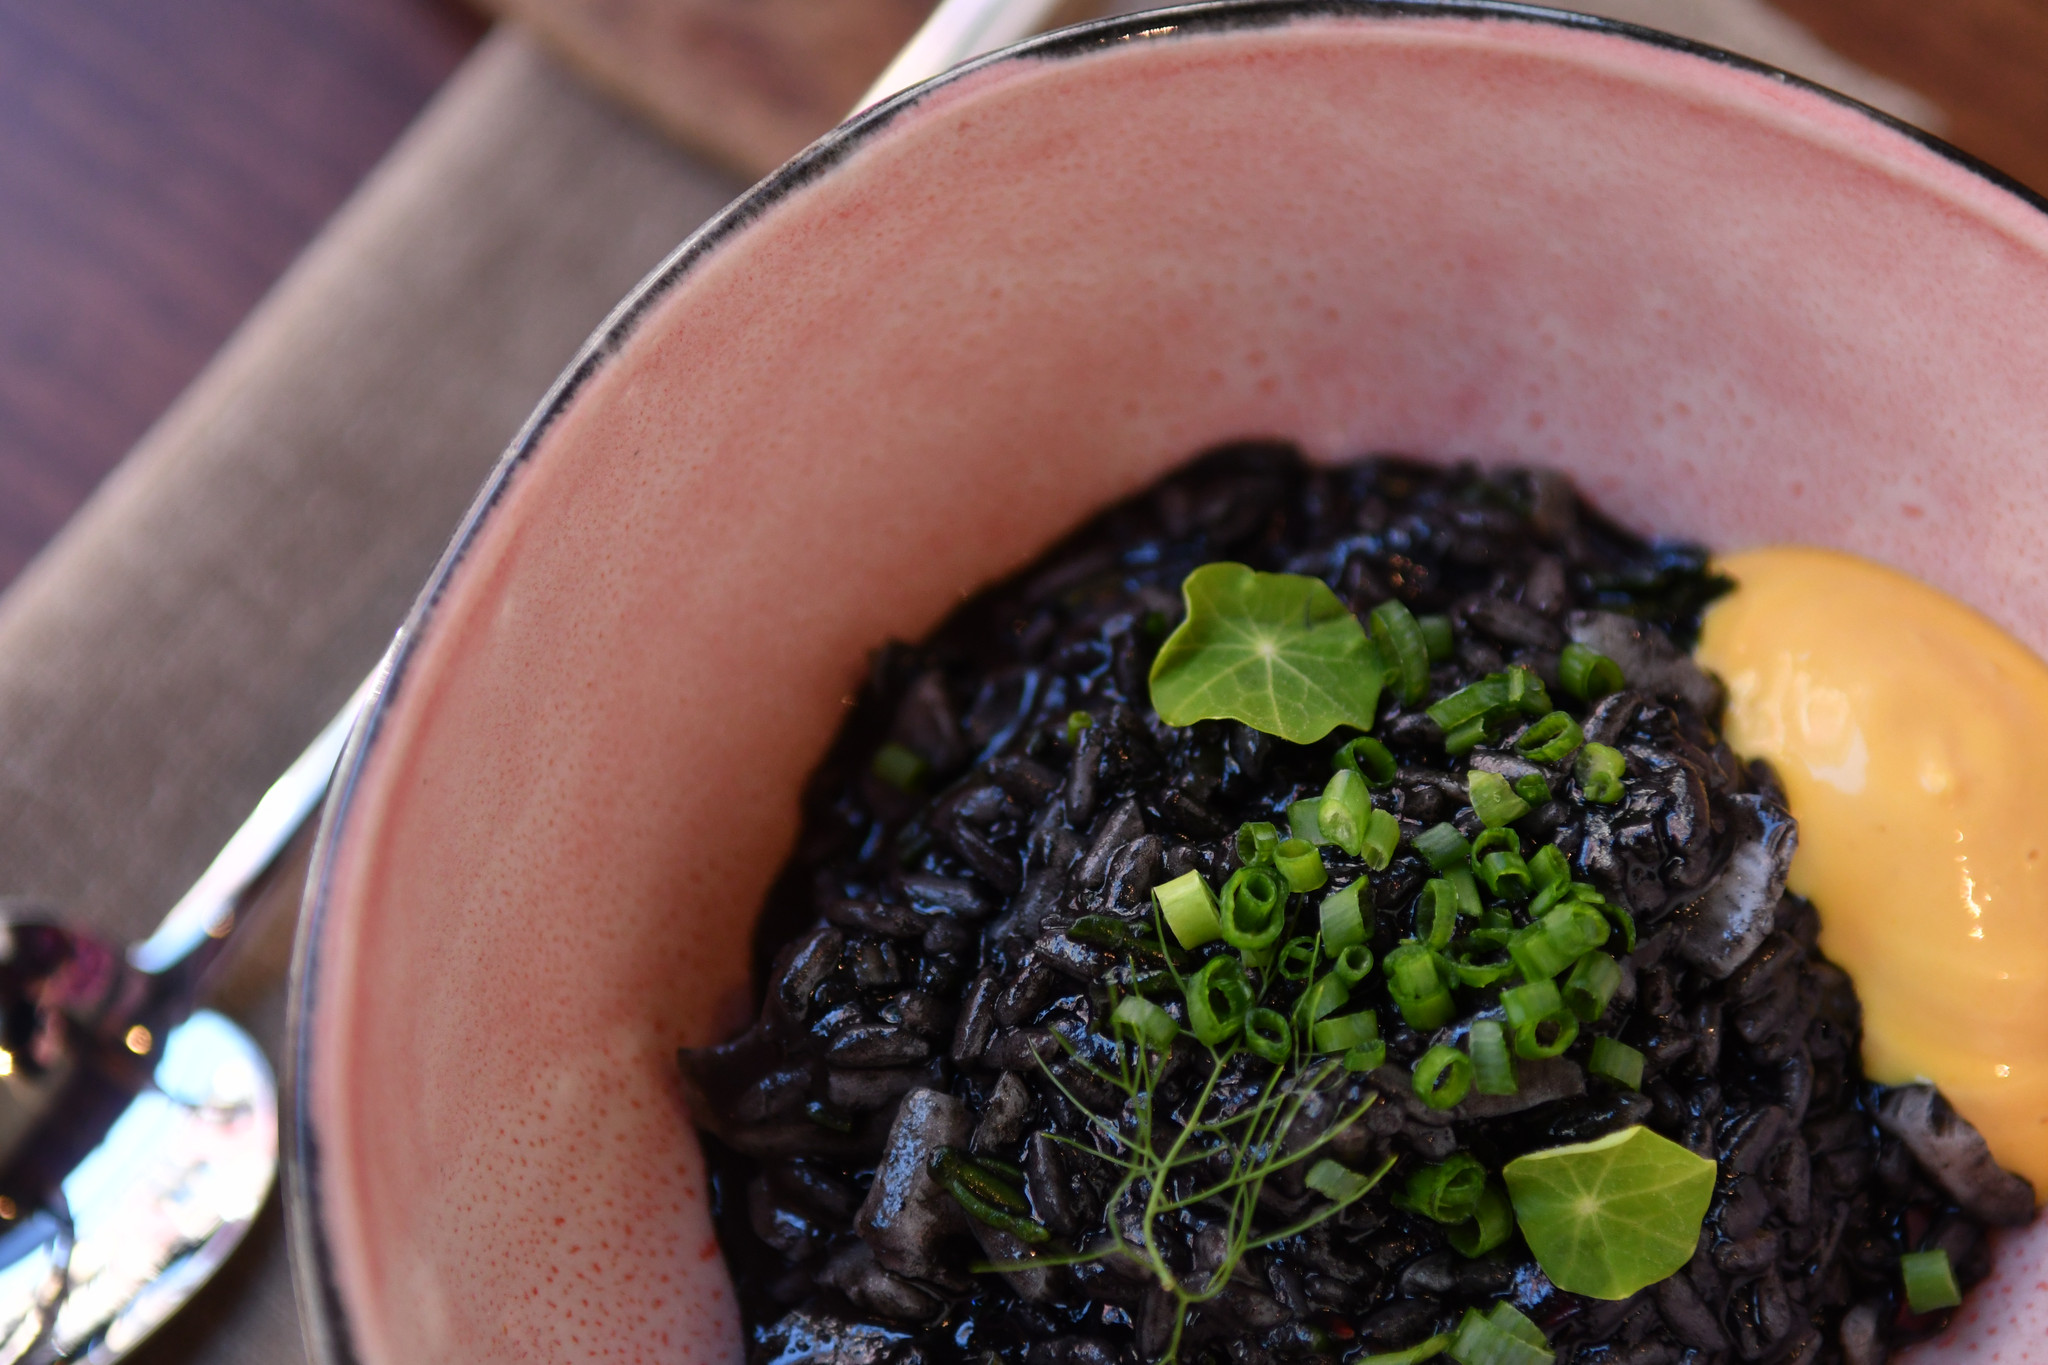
161,164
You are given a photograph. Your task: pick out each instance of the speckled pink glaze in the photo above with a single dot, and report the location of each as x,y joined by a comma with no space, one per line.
1736,310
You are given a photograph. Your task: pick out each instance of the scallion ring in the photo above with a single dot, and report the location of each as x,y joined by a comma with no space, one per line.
1442,1076
1442,847
1540,1039
1437,636
1342,917
1599,769
1267,1034
1403,647
1493,800
1256,840
1189,908
1301,864
1253,909
1493,1070
1219,976
1382,837
1586,674
1342,813
1617,1061
1552,739
1491,1223
1594,979
1347,1032
1367,757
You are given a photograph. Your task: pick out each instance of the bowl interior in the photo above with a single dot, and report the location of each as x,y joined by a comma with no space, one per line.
1734,308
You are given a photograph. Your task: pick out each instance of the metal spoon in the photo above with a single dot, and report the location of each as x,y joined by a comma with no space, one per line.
138,1137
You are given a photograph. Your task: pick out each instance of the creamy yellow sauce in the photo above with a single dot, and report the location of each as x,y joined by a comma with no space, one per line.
1912,738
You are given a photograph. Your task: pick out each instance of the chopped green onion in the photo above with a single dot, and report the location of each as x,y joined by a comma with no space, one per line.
1930,1281
1490,840
1555,942
1468,890
1253,909
1447,1192
1479,974
1623,920
1077,721
1436,913
1475,701
1352,965
1482,1340
1421,1350
900,767
1526,692
1347,1032
1436,634
1370,1058
1367,757
1493,1070
1493,800
1417,988
985,1196
1552,739
1442,1075
1402,646
1222,976
1505,875
1301,863
1465,738
1545,898
1341,814
1336,1181
1343,917
1563,1030
1382,837
1587,675
1594,979
1267,1034
1297,961
1599,771
1149,1023
1617,1061
1301,821
1321,1000
1535,1000
1256,840
1532,788
1547,869
1443,848
1189,907
1491,1224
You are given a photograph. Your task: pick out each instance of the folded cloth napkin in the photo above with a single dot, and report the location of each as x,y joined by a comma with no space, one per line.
225,590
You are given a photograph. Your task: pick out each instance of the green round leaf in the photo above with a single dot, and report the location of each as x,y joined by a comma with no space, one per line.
1276,651
1608,1217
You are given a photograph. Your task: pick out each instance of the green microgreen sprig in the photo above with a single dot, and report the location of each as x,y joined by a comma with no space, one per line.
1211,1153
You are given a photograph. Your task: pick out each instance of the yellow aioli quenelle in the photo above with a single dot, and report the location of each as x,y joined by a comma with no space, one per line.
1912,738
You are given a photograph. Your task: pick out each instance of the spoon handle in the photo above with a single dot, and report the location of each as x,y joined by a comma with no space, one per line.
206,913
956,31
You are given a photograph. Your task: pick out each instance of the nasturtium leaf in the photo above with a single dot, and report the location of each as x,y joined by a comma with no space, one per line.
1276,651
1608,1217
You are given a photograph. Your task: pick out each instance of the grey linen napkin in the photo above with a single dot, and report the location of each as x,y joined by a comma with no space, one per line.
221,595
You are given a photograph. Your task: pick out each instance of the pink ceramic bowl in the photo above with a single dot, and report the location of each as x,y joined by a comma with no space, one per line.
1736,307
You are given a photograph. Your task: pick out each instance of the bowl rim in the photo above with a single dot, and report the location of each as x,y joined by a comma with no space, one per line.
324,1320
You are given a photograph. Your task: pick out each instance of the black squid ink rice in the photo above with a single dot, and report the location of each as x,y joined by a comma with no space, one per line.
1479,1024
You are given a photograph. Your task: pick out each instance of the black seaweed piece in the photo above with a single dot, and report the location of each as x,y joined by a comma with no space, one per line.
918,941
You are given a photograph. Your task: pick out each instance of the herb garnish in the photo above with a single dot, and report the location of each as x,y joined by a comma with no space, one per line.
1276,651
1214,1151
1608,1217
